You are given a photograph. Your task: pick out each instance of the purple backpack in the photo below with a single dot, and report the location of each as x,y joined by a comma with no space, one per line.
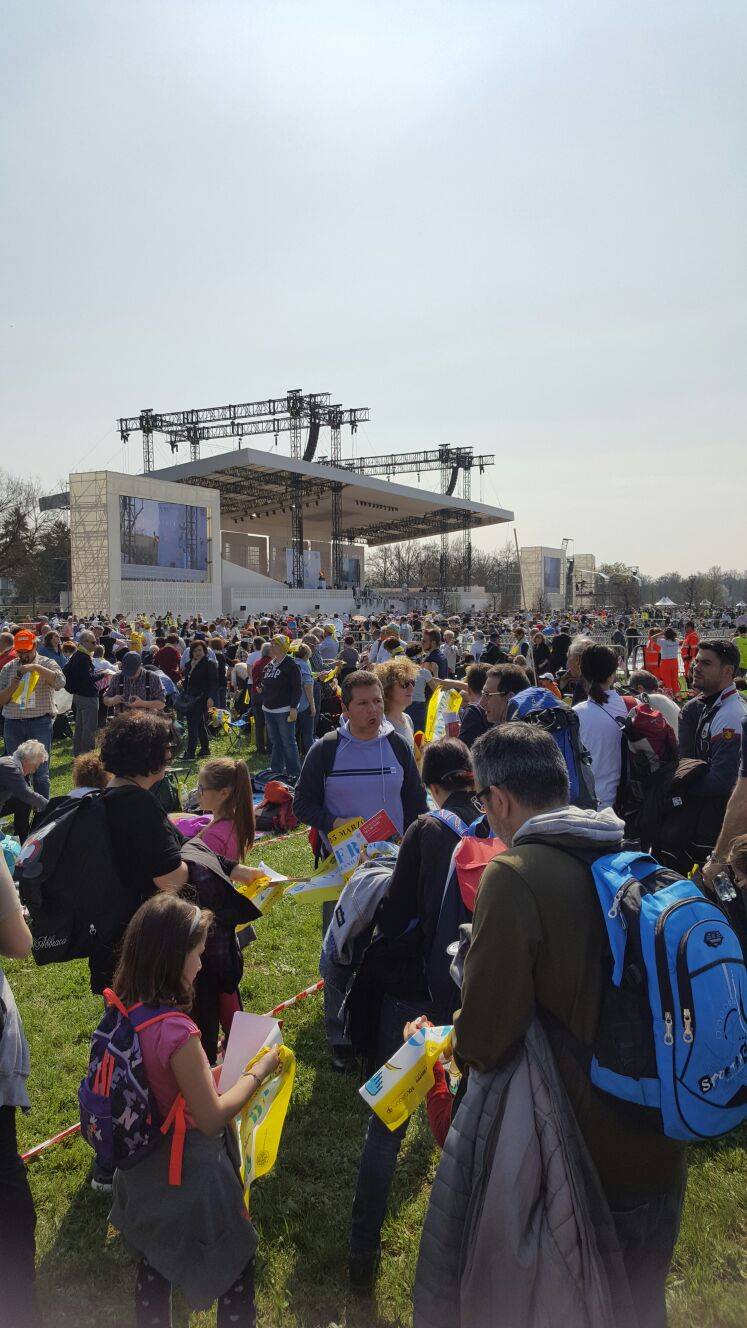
118,1114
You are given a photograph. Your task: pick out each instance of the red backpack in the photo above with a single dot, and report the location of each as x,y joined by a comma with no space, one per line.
275,811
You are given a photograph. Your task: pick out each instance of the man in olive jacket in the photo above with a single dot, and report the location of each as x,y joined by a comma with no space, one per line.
539,943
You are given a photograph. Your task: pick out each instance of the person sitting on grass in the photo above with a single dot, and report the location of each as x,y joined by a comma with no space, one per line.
173,1227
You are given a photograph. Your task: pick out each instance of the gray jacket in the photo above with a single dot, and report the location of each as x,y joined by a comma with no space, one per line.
14,1051
518,1233
13,785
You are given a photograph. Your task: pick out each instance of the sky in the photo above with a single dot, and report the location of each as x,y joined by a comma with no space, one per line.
518,225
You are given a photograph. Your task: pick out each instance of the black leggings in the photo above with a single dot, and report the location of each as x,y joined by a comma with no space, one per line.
153,1299
17,1223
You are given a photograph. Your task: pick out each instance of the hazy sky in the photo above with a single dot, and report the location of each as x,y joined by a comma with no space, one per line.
520,225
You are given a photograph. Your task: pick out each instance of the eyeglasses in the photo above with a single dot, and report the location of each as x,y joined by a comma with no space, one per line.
409,683
484,693
481,794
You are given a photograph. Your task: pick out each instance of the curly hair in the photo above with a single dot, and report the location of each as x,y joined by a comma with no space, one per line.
398,670
136,745
89,771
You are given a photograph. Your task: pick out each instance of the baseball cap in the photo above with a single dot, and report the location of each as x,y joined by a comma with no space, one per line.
24,640
131,662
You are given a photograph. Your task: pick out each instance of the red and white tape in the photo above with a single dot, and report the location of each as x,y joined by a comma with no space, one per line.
75,1129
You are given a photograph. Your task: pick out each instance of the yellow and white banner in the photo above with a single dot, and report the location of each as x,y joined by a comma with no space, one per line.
442,709
325,885
395,1090
260,1124
23,696
265,891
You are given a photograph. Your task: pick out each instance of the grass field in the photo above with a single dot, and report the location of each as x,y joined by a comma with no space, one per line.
301,1211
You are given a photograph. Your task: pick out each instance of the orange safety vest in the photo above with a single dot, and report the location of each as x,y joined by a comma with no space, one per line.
690,647
651,656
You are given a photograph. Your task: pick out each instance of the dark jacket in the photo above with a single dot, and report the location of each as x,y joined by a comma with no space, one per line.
492,654
417,885
474,723
539,940
13,785
281,684
79,674
559,652
201,679
710,730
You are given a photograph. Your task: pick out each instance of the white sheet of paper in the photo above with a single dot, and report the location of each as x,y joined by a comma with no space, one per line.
249,1033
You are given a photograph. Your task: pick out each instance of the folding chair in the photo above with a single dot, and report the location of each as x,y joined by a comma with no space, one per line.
238,731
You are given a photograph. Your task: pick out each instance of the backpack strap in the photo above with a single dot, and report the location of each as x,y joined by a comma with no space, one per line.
450,819
329,751
176,1119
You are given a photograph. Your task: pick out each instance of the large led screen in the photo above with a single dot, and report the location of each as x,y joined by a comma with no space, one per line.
551,575
162,541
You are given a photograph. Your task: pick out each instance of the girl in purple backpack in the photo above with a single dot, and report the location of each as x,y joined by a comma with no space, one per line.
195,1234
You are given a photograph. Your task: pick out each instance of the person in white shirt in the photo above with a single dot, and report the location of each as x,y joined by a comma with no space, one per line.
642,683
598,719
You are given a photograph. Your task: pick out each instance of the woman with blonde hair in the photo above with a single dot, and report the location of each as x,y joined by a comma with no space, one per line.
397,677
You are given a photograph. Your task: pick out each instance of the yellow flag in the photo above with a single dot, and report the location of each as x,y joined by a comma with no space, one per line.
260,1125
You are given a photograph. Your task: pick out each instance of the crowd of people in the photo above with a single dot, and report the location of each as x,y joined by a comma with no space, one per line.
565,738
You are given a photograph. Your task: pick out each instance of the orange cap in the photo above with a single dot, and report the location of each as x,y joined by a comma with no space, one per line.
24,640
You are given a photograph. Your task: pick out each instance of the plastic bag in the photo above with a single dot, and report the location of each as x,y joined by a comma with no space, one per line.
395,1090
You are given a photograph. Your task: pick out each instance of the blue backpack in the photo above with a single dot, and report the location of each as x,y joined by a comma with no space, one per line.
673,1029
535,705
118,1114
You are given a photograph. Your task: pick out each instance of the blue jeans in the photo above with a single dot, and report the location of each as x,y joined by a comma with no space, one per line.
284,759
16,731
381,1146
306,725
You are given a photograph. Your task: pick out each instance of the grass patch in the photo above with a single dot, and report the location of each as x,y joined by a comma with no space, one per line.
302,1210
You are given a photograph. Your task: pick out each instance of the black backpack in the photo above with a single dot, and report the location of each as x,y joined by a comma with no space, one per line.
69,883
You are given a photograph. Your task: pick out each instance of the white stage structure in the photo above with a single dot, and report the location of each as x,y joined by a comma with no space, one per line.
154,542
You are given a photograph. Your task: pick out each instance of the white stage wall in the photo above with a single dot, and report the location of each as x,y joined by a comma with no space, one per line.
96,553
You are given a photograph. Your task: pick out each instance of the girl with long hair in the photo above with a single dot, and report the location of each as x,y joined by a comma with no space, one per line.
195,1235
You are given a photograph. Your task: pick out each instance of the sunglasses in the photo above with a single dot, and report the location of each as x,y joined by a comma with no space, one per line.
409,684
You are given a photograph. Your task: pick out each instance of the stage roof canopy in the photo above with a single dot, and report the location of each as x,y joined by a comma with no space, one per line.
256,491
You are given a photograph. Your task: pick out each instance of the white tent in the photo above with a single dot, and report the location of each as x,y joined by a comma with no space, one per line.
665,603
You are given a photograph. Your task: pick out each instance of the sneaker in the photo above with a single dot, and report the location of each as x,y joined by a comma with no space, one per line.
101,1179
362,1270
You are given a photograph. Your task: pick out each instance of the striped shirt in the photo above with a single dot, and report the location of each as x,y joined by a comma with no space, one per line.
38,702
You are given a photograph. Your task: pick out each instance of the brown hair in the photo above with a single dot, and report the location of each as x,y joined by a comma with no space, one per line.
397,670
89,771
136,744
222,772
158,939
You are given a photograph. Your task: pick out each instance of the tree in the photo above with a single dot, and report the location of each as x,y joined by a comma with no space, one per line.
622,590
692,588
22,523
45,572
713,587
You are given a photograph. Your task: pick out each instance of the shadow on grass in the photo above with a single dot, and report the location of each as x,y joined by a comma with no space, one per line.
305,1205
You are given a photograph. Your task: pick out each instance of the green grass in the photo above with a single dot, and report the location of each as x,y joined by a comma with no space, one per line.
301,1211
